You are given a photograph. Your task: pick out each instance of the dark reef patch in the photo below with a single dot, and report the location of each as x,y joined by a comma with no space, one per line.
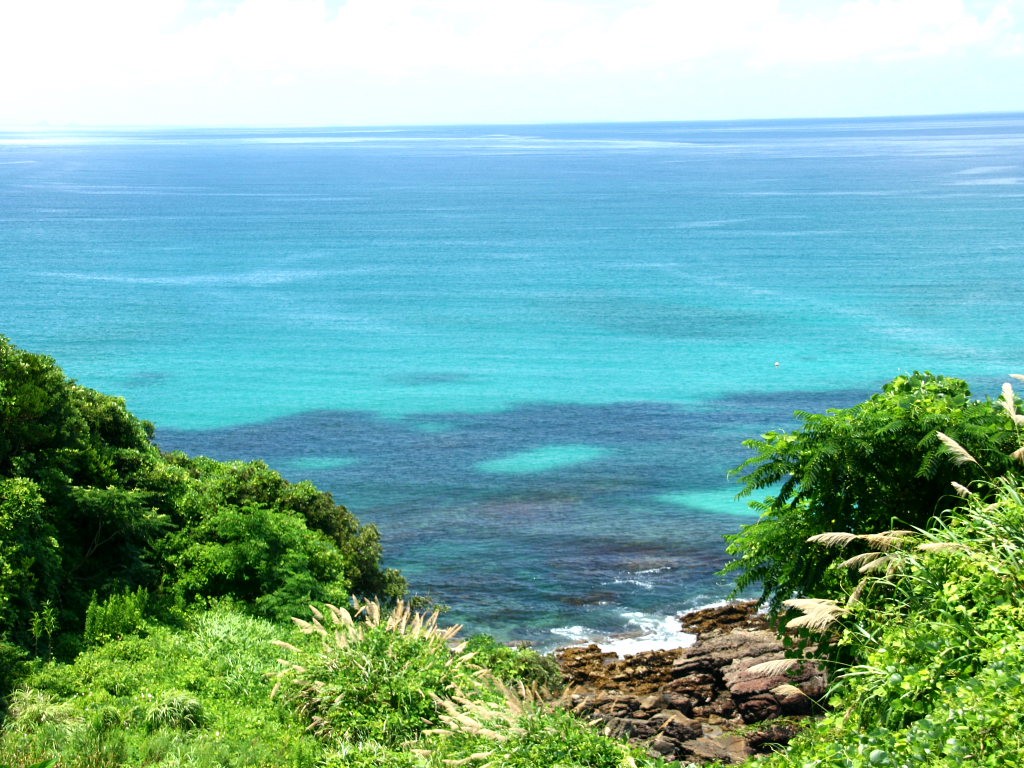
506,549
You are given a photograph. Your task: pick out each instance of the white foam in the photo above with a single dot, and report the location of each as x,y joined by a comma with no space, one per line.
653,633
635,582
643,632
576,635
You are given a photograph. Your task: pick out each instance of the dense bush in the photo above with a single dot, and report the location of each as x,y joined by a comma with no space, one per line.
941,676
394,690
89,508
199,695
377,680
515,665
116,617
382,690
933,629
872,467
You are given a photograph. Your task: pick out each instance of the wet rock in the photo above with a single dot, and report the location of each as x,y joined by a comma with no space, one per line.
727,617
688,703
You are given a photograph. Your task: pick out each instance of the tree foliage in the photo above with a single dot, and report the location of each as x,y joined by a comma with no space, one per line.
90,507
875,466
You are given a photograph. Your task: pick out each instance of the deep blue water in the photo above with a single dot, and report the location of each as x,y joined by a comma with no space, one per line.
528,354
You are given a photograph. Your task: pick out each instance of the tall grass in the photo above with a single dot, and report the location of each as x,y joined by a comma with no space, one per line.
199,696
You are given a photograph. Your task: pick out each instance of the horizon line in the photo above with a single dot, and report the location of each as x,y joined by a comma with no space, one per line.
141,128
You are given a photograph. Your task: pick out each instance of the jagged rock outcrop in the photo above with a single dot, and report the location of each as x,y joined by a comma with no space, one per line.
688,703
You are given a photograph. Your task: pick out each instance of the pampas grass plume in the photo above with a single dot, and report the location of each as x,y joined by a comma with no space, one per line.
957,451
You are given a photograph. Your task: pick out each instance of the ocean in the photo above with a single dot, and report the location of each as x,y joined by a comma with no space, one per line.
528,354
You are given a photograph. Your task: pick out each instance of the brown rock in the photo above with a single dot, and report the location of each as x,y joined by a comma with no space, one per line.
723,618
726,748
652,701
677,726
687,703
663,745
679,701
764,740
757,708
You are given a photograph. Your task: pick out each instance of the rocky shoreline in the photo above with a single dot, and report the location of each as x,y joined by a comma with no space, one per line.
699,704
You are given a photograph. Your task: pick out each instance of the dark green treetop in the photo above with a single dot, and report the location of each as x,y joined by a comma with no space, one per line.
90,507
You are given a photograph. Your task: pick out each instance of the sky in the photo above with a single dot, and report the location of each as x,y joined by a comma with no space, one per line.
130,63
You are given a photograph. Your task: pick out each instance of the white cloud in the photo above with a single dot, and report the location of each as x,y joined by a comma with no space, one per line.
881,30
69,55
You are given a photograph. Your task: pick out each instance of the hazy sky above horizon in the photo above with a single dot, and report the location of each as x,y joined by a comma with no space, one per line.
405,62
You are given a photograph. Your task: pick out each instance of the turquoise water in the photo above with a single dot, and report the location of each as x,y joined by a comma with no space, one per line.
528,354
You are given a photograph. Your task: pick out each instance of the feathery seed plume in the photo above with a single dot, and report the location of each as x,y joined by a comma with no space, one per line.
1007,400
875,565
773,668
939,546
886,540
833,538
859,561
818,614
958,452
962,490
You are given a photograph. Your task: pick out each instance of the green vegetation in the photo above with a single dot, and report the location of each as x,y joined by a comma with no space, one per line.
90,509
382,688
144,610
926,648
515,666
872,467
199,694
940,681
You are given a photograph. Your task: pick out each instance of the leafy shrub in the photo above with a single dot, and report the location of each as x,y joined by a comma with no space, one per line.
206,488
199,696
116,617
936,627
515,665
861,469
268,560
374,680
